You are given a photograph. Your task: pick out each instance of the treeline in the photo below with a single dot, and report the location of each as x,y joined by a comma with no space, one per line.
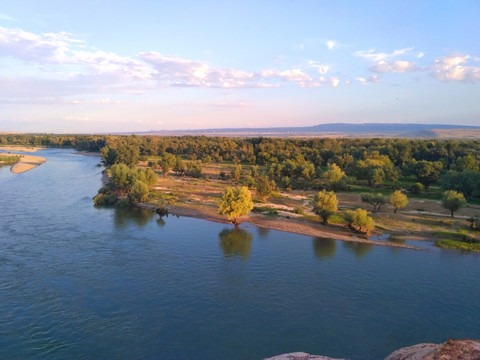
299,163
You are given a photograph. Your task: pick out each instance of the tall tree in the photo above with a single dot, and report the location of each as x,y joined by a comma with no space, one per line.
265,186
398,200
377,200
325,204
334,176
235,202
453,201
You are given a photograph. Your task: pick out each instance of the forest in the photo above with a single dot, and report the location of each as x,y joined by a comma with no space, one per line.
313,163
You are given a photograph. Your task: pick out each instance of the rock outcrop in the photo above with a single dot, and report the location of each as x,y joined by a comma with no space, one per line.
450,350
465,349
300,356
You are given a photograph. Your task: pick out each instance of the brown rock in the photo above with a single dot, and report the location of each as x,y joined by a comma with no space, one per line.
300,356
450,350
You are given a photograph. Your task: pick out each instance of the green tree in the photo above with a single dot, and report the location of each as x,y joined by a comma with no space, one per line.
167,163
417,188
359,220
235,202
453,201
427,172
377,200
179,166
334,176
120,178
139,192
265,186
236,172
398,200
325,204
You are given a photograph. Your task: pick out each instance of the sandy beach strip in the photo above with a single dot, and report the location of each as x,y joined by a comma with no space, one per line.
27,162
20,148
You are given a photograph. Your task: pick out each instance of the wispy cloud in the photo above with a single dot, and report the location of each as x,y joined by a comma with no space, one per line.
398,66
376,57
370,79
6,17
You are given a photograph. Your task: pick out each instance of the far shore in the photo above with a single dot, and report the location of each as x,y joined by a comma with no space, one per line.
26,162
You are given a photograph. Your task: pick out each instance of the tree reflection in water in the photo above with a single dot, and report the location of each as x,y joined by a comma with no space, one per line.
359,249
324,248
235,242
263,232
124,215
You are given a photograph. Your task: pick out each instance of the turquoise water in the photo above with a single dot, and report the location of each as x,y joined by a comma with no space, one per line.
87,283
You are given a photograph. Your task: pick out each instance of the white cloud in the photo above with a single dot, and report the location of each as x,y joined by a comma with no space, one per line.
31,47
451,68
399,66
65,66
321,68
331,44
183,72
420,55
377,57
370,79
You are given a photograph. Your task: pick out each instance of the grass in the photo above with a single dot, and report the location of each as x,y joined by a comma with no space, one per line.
8,160
265,210
458,245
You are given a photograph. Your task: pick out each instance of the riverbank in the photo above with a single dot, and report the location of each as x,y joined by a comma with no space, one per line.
291,225
21,148
26,162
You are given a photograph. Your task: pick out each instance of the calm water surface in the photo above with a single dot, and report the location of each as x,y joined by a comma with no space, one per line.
87,283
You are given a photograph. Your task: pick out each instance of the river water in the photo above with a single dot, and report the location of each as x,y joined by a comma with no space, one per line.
87,283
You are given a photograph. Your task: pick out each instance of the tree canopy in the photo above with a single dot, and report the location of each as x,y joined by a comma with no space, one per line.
398,200
453,201
325,204
235,202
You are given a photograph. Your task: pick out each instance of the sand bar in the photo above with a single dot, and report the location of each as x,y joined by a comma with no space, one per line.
26,162
20,148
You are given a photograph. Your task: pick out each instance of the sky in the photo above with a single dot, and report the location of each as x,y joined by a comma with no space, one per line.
112,66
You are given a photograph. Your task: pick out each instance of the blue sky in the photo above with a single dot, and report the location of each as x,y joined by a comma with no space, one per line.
99,66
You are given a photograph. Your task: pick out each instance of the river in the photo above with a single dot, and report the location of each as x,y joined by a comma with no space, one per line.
88,283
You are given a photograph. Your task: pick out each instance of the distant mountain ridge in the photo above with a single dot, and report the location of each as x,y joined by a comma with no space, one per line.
339,130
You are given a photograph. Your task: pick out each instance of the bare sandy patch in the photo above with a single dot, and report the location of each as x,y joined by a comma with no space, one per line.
26,162
21,148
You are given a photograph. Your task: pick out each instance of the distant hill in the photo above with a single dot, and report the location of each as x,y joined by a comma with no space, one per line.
340,130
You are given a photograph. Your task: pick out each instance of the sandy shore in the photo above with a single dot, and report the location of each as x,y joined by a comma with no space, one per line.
26,162
20,148
291,225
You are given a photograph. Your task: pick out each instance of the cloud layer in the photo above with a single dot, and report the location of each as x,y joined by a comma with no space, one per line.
64,65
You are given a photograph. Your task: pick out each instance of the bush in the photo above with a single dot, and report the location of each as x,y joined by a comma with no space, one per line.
105,199
359,220
417,188
299,210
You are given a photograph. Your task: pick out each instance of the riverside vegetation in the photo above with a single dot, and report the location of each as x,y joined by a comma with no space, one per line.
434,183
